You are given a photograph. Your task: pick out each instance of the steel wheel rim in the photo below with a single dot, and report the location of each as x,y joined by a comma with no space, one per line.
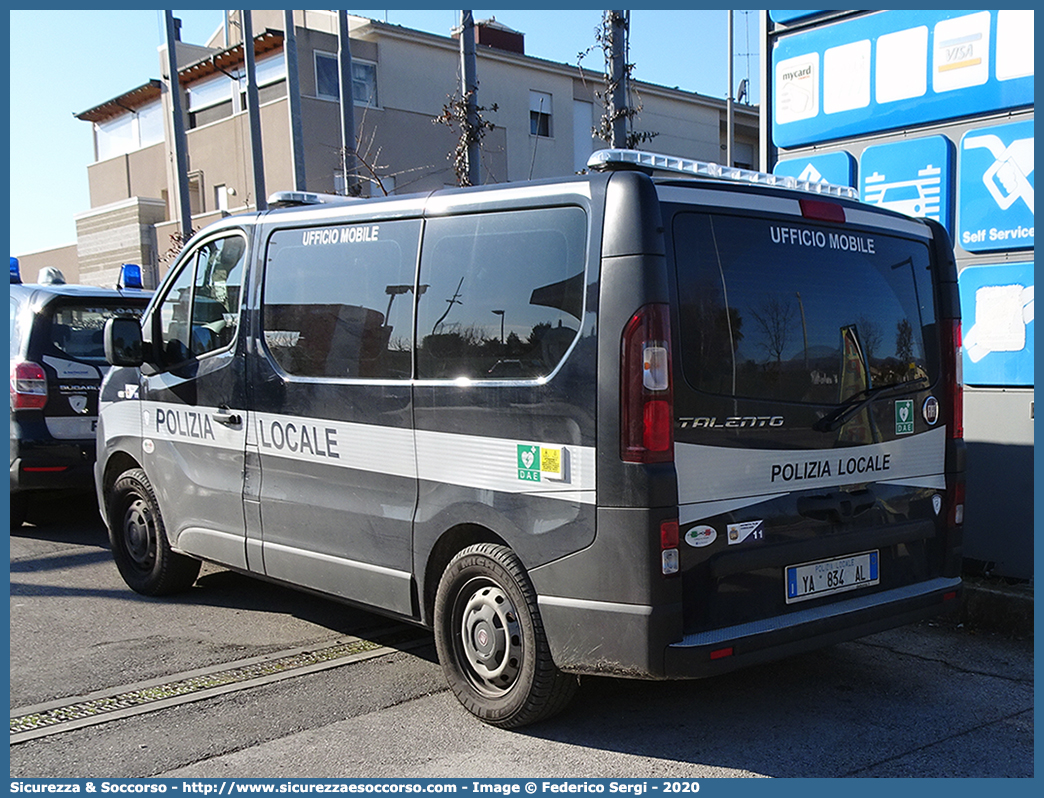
490,638
139,535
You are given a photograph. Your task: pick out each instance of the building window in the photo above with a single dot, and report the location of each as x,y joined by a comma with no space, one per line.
215,98
539,114
209,100
327,79
140,128
271,80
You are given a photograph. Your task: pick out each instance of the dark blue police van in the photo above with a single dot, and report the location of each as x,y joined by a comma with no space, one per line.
660,420
57,364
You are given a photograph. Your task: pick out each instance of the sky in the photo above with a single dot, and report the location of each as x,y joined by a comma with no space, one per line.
65,62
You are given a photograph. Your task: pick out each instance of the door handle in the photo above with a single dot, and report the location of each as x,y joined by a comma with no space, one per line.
227,417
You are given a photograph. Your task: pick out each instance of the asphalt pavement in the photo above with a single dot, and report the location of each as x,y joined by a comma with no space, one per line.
997,605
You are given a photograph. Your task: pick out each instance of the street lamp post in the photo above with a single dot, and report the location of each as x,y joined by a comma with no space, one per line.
501,314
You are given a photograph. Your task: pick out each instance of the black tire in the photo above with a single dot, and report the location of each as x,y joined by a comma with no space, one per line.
139,540
491,642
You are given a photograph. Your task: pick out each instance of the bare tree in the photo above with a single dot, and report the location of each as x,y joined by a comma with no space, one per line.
178,240
455,115
617,81
872,336
774,319
904,341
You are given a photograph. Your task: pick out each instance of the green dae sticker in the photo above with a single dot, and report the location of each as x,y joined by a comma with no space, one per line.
904,415
529,463
536,460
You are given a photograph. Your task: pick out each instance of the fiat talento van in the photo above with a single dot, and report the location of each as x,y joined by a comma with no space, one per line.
660,420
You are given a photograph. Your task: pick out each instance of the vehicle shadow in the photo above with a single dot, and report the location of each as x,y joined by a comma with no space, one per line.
857,709
74,521
64,518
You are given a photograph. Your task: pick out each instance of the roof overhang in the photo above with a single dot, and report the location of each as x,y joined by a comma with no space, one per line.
229,59
128,101
219,61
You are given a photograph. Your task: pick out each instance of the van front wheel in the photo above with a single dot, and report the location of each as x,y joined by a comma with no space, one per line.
491,642
139,540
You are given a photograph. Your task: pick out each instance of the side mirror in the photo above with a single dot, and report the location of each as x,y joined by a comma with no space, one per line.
123,342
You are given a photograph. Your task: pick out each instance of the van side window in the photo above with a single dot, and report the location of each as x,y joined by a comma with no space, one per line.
503,293
200,312
338,300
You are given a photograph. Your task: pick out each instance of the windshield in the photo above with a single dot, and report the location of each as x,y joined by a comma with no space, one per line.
798,312
76,330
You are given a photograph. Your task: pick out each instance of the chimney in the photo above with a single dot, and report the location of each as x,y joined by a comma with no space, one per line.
490,33
177,29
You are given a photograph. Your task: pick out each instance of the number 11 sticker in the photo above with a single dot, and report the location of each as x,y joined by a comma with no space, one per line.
748,530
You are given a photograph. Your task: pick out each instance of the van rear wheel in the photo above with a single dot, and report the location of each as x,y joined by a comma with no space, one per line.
139,540
491,642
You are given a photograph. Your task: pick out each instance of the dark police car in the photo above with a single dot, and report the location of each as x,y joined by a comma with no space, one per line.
57,362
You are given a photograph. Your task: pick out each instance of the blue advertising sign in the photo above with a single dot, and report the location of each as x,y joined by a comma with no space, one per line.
912,177
894,69
784,16
997,319
995,189
837,168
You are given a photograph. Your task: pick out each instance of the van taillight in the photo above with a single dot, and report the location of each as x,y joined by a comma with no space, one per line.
957,503
669,538
28,386
646,393
953,374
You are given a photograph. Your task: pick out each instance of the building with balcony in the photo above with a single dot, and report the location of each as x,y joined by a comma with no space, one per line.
402,80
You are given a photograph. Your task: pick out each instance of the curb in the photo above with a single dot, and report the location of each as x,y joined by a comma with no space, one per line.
993,605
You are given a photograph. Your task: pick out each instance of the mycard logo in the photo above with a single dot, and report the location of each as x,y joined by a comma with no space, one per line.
795,74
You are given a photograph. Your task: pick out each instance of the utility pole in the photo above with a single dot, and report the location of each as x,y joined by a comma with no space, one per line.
766,152
618,24
729,120
344,65
178,123
254,113
469,92
293,92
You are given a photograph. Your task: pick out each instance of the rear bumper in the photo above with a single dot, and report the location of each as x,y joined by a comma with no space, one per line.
52,465
634,640
723,650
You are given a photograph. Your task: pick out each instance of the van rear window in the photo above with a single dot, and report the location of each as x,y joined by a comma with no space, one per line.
791,312
76,330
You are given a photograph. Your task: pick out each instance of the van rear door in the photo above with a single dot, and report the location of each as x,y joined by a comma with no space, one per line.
813,403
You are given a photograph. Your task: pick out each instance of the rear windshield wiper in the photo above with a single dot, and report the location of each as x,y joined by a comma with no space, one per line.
857,401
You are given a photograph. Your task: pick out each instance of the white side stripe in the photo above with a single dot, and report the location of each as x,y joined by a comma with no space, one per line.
470,461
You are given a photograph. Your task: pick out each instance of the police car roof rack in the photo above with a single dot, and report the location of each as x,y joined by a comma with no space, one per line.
288,199
606,160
